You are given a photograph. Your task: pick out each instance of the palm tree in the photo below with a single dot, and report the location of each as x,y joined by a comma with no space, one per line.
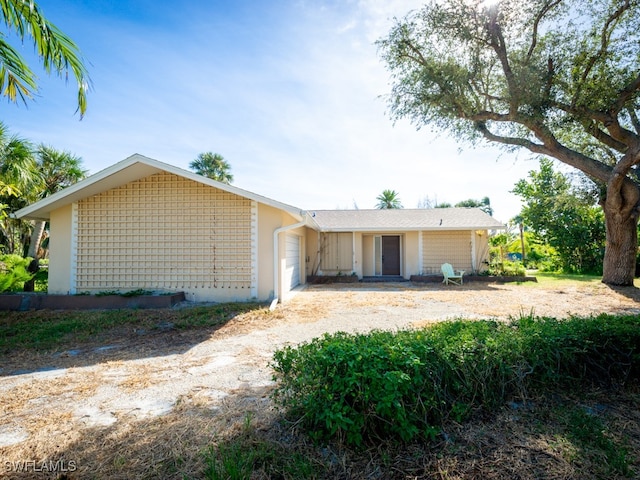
213,166
388,199
57,170
57,53
18,174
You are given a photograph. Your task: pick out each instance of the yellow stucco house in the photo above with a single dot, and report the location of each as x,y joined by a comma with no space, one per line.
144,224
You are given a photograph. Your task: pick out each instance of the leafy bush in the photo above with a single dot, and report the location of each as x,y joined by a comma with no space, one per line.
14,272
362,387
42,280
506,268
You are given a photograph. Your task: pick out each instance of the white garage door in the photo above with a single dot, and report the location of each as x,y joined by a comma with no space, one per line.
292,270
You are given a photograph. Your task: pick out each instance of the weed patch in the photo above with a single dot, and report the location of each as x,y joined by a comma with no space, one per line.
43,330
250,455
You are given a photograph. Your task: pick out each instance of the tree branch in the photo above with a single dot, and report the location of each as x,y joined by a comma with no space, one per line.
481,126
605,38
616,131
592,129
549,146
625,95
418,58
621,190
488,115
634,119
534,36
629,159
498,45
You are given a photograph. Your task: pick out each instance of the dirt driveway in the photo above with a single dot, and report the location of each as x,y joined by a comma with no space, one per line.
105,406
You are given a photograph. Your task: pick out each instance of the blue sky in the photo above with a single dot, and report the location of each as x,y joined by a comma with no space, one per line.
288,91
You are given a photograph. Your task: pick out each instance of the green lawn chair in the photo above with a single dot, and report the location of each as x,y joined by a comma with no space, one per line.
450,276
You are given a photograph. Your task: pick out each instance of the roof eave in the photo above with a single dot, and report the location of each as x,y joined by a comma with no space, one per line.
410,229
41,210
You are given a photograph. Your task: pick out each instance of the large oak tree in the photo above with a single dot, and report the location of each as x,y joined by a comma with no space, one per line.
560,78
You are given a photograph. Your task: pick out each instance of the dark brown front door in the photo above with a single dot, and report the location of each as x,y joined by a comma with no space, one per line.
391,255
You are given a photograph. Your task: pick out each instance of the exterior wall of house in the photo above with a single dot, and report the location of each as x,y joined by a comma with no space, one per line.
269,220
452,247
358,254
60,249
336,253
481,240
312,260
168,233
367,256
411,252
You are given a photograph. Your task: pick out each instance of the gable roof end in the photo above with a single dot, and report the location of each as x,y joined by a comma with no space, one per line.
128,170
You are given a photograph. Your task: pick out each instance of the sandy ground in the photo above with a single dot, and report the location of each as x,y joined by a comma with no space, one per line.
50,402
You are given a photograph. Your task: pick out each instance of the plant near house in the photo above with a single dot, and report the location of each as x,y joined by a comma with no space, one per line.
56,170
564,217
136,293
14,272
505,268
18,174
130,293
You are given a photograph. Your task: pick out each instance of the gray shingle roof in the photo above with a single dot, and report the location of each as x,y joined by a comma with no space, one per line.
404,220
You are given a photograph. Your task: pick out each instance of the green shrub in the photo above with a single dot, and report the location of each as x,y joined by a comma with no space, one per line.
506,268
42,280
358,388
14,272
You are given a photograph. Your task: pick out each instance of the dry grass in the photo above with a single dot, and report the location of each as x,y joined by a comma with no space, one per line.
516,443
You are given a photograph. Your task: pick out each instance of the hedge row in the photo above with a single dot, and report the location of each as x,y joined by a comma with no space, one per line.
402,385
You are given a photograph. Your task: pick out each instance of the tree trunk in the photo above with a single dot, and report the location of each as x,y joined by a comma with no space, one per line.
621,214
34,247
36,238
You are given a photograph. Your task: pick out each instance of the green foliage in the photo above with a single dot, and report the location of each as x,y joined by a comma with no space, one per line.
537,254
28,174
361,388
131,293
595,441
56,52
484,204
388,199
42,280
247,455
14,272
564,218
213,166
506,268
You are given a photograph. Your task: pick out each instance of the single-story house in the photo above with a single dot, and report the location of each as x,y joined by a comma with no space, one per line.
144,224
